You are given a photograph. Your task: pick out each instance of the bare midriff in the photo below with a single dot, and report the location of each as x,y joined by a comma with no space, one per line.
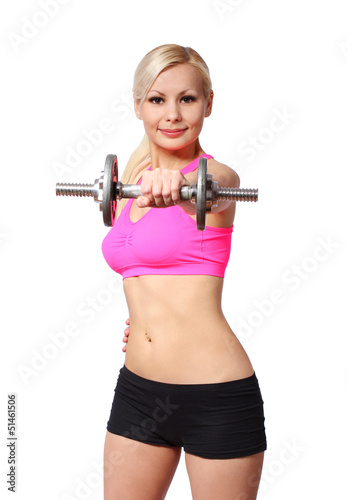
178,332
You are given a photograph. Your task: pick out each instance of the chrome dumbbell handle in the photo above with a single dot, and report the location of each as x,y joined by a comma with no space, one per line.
134,191
122,190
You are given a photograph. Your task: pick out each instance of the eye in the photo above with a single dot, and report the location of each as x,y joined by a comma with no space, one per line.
188,98
156,100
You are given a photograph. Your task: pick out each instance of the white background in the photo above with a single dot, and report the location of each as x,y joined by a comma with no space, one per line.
284,291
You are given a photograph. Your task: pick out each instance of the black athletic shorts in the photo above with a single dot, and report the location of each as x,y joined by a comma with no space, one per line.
218,420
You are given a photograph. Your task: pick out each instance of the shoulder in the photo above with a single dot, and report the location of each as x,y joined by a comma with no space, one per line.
224,175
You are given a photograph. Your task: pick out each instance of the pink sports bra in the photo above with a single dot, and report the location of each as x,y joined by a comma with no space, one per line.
166,241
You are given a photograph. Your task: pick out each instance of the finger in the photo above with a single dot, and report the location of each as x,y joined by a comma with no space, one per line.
177,182
127,331
143,202
167,191
124,349
157,189
125,340
127,321
147,187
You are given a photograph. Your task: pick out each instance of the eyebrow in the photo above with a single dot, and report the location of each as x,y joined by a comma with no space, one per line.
181,93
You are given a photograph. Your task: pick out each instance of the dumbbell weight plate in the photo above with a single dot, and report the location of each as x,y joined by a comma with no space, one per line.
201,195
109,202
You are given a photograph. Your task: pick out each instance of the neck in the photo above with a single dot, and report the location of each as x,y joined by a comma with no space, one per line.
174,159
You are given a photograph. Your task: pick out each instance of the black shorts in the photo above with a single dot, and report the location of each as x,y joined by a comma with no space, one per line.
218,420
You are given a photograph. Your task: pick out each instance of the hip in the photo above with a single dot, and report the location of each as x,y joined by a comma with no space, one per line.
188,357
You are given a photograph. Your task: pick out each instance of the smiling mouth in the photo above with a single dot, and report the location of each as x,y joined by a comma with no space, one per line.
172,129
172,132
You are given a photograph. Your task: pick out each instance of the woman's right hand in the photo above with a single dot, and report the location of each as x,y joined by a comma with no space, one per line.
126,334
161,188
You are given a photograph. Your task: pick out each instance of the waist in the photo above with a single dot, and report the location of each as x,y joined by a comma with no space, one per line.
187,357
178,332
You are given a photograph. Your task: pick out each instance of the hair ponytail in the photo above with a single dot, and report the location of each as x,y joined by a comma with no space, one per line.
137,163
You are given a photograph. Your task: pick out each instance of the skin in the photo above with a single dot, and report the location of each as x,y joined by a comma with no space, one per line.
190,339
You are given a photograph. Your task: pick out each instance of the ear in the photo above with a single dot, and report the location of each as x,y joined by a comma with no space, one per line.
137,109
209,104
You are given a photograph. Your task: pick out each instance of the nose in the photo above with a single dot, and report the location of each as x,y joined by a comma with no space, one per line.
173,113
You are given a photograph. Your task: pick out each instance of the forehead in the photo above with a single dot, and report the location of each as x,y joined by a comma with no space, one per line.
176,78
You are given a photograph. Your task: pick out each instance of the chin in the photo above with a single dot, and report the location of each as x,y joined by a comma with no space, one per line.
176,143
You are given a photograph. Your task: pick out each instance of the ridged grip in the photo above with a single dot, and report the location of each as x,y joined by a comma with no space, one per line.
75,189
237,194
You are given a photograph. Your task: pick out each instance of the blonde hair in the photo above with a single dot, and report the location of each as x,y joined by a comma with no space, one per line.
149,68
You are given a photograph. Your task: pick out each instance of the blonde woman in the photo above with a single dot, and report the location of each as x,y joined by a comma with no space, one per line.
187,381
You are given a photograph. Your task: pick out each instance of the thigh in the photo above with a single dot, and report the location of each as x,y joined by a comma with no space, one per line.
225,420
225,479
135,470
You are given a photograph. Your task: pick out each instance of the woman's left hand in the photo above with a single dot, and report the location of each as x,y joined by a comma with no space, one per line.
126,335
160,188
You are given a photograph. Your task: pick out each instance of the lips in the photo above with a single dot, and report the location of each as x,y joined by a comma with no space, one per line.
176,132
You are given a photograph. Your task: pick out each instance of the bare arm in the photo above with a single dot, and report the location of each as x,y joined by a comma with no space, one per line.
223,175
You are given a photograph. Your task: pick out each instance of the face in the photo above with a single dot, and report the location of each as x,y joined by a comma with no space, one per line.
174,109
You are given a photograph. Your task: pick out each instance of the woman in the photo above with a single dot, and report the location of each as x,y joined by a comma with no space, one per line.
187,381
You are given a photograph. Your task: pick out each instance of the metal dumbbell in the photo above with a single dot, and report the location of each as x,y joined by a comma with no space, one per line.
107,190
